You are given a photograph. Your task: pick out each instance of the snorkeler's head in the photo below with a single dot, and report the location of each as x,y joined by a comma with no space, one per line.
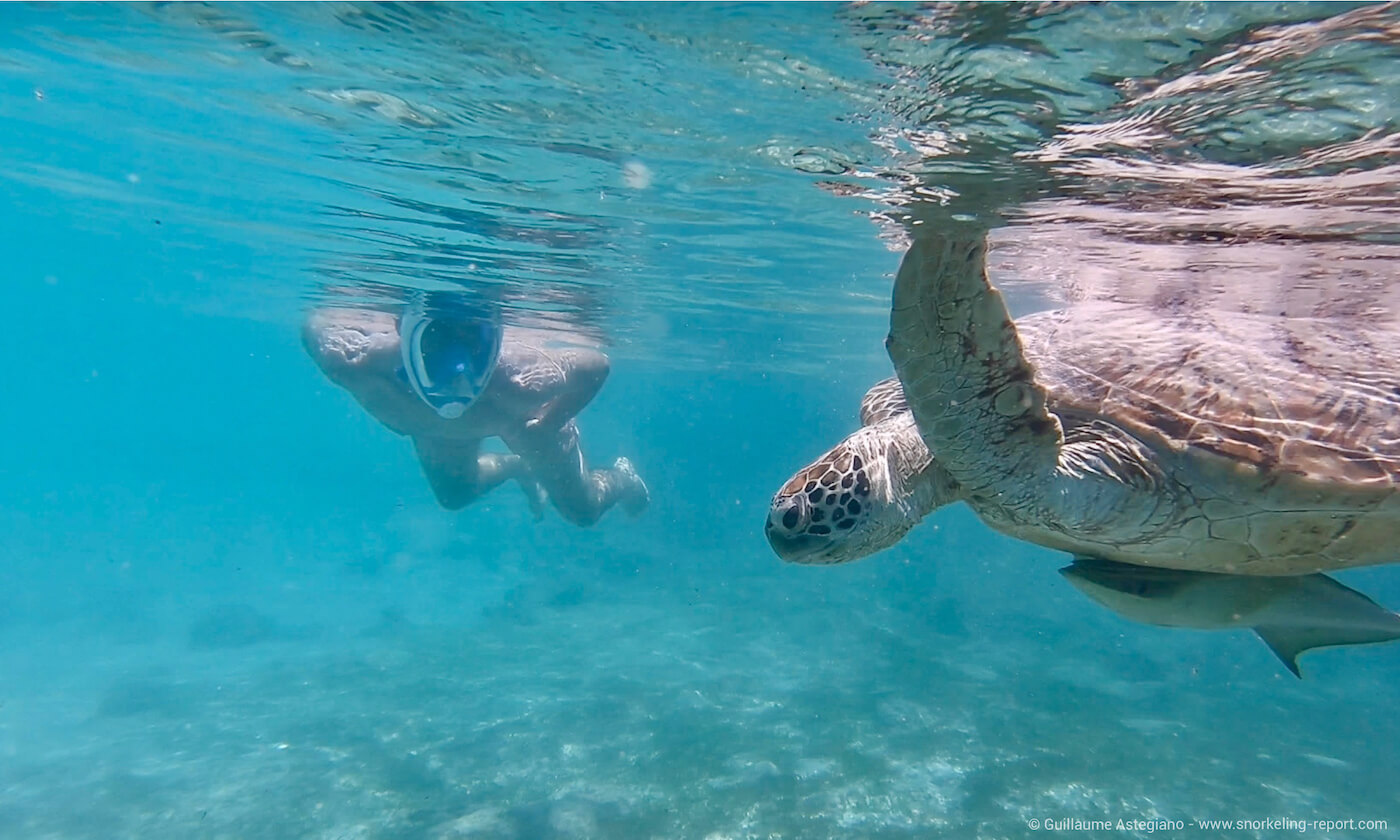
449,352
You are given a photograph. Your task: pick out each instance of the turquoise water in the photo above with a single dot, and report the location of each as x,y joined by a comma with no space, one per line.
230,607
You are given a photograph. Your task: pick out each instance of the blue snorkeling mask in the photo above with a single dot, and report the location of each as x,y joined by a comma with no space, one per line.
448,359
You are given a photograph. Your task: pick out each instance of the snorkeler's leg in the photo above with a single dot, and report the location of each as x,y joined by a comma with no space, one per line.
580,495
460,473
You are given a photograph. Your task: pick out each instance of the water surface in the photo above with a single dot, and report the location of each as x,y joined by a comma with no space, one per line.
230,608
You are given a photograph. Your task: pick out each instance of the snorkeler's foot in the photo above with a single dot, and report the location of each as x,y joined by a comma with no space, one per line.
635,496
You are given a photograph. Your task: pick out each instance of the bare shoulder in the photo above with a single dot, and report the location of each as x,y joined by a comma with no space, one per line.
345,339
530,361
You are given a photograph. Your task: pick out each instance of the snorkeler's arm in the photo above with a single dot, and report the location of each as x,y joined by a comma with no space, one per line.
583,372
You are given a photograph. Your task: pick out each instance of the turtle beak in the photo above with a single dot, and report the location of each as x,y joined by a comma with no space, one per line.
786,530
797,548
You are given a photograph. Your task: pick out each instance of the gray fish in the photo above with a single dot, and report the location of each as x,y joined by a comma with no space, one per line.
1291,614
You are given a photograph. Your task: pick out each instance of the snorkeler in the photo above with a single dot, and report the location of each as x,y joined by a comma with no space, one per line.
451,376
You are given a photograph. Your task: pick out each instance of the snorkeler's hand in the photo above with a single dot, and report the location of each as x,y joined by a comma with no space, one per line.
535,496
543,417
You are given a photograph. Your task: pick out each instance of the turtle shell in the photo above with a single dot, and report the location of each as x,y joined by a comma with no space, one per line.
1317,399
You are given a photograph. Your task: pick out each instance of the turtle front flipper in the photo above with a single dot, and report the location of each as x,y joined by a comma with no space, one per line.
966,378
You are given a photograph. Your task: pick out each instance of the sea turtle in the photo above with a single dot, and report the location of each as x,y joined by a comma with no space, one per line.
1231,443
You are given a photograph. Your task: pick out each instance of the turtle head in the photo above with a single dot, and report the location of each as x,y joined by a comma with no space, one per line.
860,497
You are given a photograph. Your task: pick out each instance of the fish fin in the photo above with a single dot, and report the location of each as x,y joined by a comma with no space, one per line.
1318,584
1285,646
1374,624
